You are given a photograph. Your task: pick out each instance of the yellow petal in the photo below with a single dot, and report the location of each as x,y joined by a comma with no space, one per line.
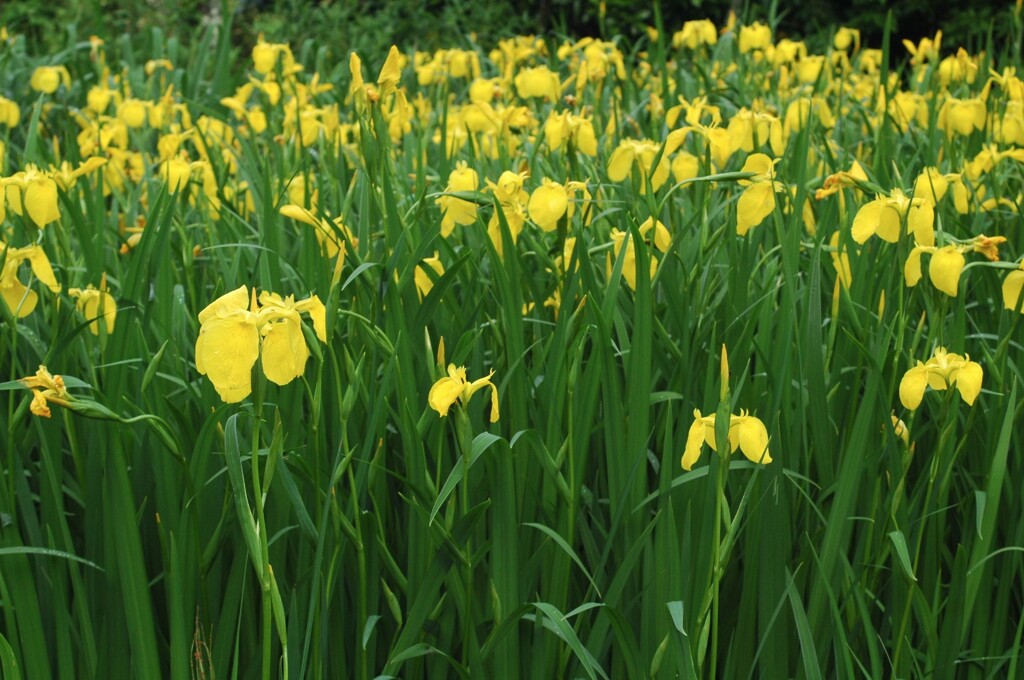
620,164
755,204
968,381
299,214
694,442
912,386
284,351
40,201
42,269
444,393
865,224
944,269
920,223
238,299
20,300
391,72
548,204
759,163
753,439
912,268
317,313
1012,285
226,350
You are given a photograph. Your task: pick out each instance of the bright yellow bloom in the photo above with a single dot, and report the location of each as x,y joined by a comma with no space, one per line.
962,116
756,36
758,200
21,300
944,271
96,304
884,215
540,82
47,79
45,388
10,114
391,72
454,387
456,210
694,34
35,192
746,433
942,371
230,339
548,203
845,38
638,153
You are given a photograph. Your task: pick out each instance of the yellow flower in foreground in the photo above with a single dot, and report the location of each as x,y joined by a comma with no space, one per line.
942,371
20,299
230,339
45,388
758,199
746,433
454,387
95,305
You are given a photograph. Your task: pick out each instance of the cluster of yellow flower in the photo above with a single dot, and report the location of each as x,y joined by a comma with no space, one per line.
523,108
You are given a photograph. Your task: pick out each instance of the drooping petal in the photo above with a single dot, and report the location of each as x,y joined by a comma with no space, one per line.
753,439
944,269
548,204
317,313
888,224
921,223
755,204
968,381
912,386
284,351
444,393
19,299
865,224
1012,285
621,163
40,201
41,268
912,267
226,350
694,442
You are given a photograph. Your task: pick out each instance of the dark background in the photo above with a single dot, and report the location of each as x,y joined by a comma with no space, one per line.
371,26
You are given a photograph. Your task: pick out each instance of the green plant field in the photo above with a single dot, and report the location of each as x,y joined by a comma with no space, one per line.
423,368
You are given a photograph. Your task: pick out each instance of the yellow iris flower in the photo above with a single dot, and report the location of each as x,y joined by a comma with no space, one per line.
884,215
746,433
944,271
21,300
454,387
45,388
942,371
236,330
758,199
96,304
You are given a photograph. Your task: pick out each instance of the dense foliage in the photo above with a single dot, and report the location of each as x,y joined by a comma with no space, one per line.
545,357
